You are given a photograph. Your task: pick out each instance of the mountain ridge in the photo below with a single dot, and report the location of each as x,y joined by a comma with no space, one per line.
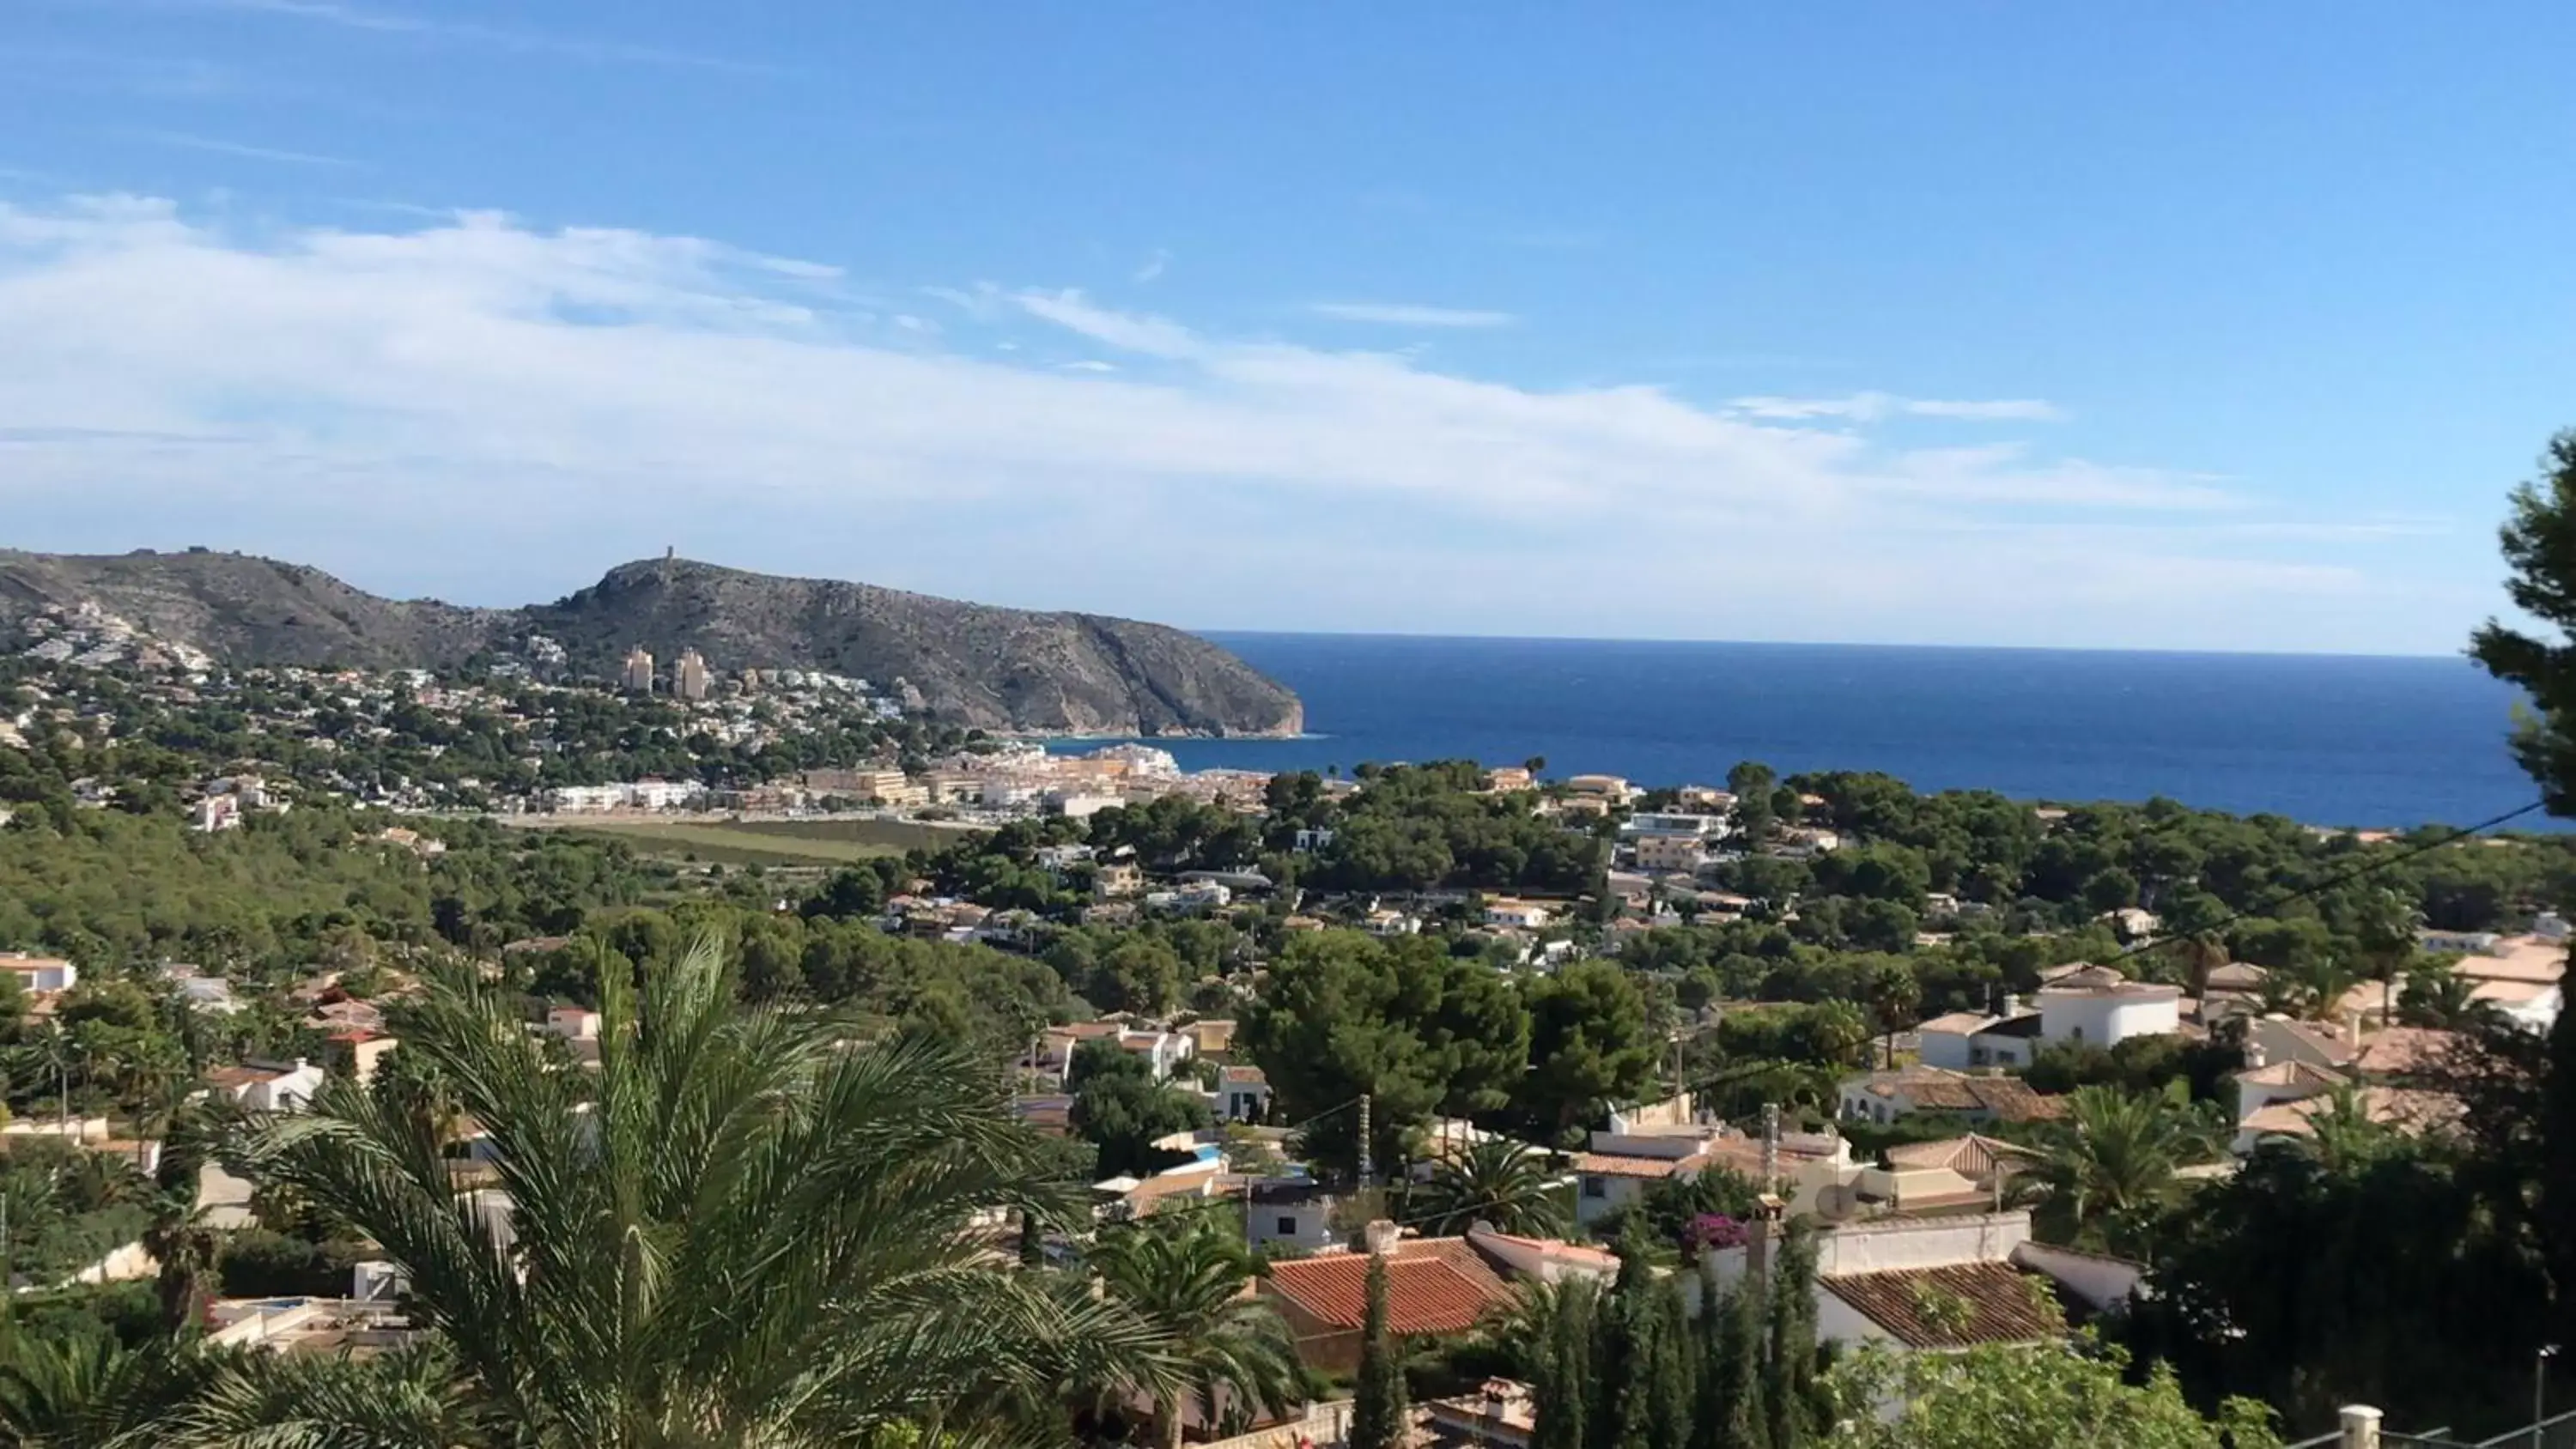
979,665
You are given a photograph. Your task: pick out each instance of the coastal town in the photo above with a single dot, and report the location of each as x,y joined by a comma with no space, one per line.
1413,1049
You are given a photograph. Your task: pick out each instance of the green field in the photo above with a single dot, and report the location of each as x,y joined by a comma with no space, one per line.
768,842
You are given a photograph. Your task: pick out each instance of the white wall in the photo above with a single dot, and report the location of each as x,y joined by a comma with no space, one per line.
1878,1247
1886,1246
2100,1282
1616,1193
1945,1049
1839,1322
1311,1224
2105,1020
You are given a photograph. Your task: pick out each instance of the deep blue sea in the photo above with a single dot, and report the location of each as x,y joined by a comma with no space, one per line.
2334,740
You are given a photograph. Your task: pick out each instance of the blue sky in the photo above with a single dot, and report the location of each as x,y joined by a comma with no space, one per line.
2189,325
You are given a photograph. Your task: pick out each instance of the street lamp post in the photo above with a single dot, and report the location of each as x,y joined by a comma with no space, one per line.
2540,1389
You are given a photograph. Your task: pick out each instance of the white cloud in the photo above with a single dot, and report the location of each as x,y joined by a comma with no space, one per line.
1870,407
478,407
1154,267
220,147
1071,310
1410,314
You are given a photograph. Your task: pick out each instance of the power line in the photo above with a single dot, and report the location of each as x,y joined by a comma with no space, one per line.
2362,871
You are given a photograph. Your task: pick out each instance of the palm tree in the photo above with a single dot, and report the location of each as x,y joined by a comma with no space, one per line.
2385,925
1508,1184
1188,1280
2441,998
83,1392
744,1227
2324,983
176,1233
407,1399
2108,1166
2197,954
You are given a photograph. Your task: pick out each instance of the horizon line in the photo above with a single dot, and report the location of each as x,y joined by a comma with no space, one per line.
1219,633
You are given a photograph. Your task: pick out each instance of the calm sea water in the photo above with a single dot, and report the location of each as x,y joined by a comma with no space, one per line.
2326,739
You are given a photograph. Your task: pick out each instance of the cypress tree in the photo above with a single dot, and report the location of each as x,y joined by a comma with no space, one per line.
1562,1381
1790,1392
1670,1391
1624,1366
1378,1409
1731,1415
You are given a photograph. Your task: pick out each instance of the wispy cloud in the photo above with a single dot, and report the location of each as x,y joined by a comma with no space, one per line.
1074,312
1154,267
533,42
378,398
1410,314
1870,407
220,147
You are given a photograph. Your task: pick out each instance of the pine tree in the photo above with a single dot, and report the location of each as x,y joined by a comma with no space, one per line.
1790,1392
1378,1410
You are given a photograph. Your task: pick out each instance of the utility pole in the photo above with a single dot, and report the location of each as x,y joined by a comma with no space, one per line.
1365,1173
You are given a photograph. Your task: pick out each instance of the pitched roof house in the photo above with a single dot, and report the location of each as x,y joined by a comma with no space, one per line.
1434,1287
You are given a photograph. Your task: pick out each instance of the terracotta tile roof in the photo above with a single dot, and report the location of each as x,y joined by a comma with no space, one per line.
1555,1249
1243,1077
1972,1156
2402,1049
1957,1023
1153,1192
1931,1089
2406,1111
2292,1073
1433,1285
234,1078
2318,1039
2512,993
1653,1169
2237,976
2518,958
1959,1306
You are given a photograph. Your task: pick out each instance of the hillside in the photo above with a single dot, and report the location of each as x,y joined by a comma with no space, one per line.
970,663
247,610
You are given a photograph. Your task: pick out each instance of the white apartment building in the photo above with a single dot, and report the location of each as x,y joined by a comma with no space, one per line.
689,676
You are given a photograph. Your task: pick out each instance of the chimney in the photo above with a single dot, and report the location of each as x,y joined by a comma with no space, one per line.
2012,1005
1381,1237
2255,1057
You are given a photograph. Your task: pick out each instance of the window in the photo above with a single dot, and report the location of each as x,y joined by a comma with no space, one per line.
1595,1187
1287,1227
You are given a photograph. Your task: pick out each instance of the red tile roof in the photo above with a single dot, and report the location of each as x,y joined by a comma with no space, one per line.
1433,1285
1958,1306
1652,1169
